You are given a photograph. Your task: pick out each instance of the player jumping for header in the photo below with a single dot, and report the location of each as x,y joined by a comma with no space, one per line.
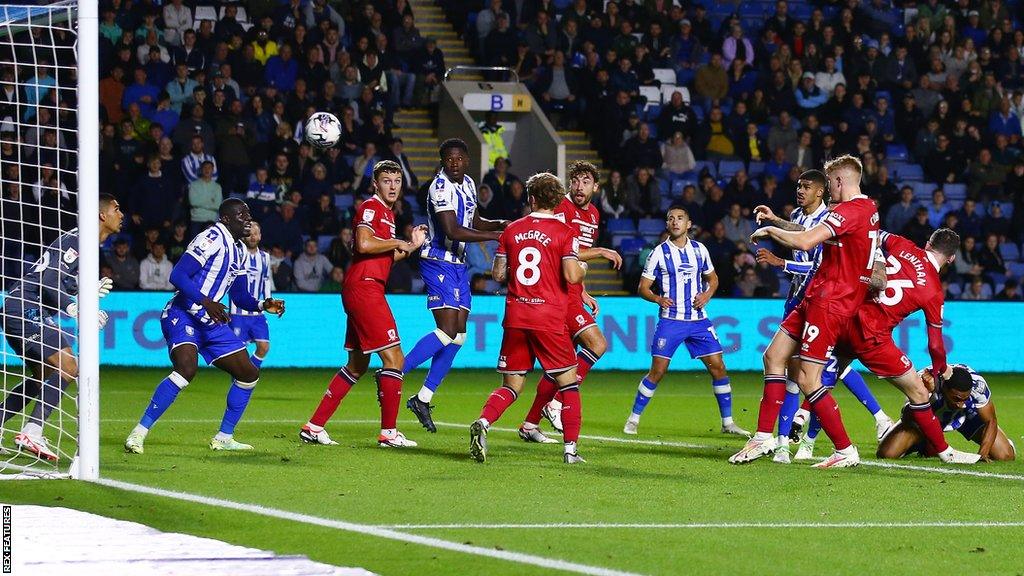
29,317
195,322
578,212
687,280
539,257
453,222
371,325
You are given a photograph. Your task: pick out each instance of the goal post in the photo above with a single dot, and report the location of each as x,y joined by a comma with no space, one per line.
49,173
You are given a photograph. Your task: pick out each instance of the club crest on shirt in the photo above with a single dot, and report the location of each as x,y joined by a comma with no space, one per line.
70,255
368,215
392,335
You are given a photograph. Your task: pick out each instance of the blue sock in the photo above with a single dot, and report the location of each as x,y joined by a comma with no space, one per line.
162,399
440,366
859,388
789,407
238,399
723,394
256,360
644,393
813,427
426,348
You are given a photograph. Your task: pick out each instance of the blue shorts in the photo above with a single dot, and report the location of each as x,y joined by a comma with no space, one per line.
791,304
213,341
698,335
447,284
250,327
829,376
970,426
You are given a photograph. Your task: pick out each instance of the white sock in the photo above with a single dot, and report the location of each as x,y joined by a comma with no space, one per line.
140,429
222,437
783,441
801,416
555,404
388,431
32,429
635,418
425,394
485,422
881,416
727,421
529,425
314,428
762,435
570,447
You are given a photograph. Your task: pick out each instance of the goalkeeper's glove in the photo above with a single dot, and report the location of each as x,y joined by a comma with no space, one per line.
106,285
72,310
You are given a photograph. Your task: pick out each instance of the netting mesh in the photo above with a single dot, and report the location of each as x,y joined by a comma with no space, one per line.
38,170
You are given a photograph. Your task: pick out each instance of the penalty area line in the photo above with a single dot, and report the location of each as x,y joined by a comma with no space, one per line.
703,525
368,530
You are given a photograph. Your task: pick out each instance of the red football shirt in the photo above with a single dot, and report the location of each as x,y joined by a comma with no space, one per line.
375,215
585,223
535,246
912,284
841,282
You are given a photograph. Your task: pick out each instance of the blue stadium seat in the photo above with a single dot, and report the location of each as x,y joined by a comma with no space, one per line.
1016,269
729,168
666,203
955,289
1009,251
710,165
678,185
755,169
911,172
344,201
621,226
663,186
631,246
955,191
323,242
651,226
897,152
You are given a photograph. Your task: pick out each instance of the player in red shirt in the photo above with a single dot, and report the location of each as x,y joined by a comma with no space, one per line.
539,257
578,212
912,284
847,271
371,326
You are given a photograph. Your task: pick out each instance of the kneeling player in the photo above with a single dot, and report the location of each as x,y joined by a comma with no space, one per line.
962,402
371,326
538,255
687,280
252,326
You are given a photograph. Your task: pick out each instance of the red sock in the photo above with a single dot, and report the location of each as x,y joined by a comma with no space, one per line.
771,402
340,384
546,390
497,403
585,360
929,425
824,406
389,393
572,413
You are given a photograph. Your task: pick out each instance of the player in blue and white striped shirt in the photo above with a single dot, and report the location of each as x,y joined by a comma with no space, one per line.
811,197
252,326
686,277
453,223
195,322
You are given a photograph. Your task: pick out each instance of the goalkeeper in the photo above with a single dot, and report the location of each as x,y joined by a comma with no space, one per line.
29,315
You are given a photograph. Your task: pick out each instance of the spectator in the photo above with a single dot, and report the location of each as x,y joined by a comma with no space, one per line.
124,267
750,147
191,164
517,204
557,86
737,47
396,153
641,151
678,158
281,269
977,290
938,208
487,206
991,260
340,250
282,70
613,196
677,116
712,82
334,281
154,199
1010,291
918,230
155,270
970,220
204,197
311,268
189,54
995,223
737,228
141,93
643,198
429,66
178,242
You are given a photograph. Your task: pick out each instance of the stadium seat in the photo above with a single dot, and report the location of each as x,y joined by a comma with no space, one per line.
344,201
677,186
755,169
685,76
632,245
621,226
910,172
668,89
240,16
1007,209
729,168
652,111
897,152
955,191
323,242
205,13
955,289
666,203
709,165
665,75
651,226
652,94
1009,251
1016,269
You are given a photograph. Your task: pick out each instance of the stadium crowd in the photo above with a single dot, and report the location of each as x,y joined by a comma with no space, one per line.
201,102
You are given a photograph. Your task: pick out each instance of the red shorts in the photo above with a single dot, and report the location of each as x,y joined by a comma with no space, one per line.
520,347
877,352
817,330
577,318
371,326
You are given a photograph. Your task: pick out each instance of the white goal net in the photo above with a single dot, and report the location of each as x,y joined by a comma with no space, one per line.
39,250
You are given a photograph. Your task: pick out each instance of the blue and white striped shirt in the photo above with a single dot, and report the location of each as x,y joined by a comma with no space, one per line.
680,273
192,165
221,259
258,280
805,262
446,196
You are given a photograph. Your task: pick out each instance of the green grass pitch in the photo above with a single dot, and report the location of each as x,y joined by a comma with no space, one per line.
627,480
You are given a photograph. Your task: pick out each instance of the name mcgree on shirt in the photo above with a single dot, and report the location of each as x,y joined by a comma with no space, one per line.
541,237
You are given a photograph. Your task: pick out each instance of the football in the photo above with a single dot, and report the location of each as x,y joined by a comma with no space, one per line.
323,129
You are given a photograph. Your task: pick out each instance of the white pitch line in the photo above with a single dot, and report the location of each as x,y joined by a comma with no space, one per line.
634,441
704,525
369,530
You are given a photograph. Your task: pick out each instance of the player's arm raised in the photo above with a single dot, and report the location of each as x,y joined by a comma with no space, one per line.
764,216
802,240
987,413
701,300
645,292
